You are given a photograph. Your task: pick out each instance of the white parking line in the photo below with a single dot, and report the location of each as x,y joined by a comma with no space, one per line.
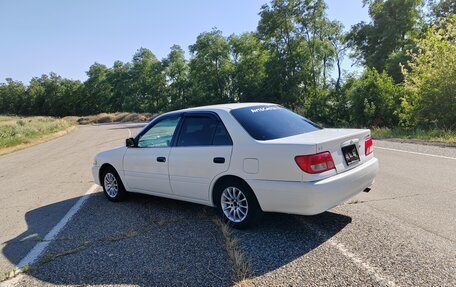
361,264
39,248
357,260
414,152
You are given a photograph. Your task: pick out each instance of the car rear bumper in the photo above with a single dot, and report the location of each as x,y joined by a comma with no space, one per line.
309,198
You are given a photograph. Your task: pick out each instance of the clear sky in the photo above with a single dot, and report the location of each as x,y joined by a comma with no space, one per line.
66,37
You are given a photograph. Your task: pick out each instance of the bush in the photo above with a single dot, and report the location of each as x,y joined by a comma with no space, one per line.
373,100
431,80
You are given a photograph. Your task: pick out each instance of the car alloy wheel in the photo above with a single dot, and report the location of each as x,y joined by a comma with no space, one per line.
110,184
234,204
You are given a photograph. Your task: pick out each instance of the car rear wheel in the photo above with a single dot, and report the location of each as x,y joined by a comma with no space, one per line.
238,205
112,185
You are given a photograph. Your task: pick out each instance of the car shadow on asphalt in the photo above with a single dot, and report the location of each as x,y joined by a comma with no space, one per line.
39,222
150,241
283,238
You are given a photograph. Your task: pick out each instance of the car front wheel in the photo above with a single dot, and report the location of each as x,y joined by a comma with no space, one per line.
238,205
112,185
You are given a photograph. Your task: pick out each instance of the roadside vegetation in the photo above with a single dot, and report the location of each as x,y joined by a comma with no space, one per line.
111,118
16,131
407,86
433,135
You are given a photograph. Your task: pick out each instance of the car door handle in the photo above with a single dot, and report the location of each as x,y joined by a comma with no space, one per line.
219,160
161,159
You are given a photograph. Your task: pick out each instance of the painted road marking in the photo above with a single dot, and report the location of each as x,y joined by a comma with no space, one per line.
361,264
414,152
39,248
357,260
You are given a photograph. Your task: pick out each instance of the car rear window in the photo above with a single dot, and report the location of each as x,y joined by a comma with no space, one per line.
272,122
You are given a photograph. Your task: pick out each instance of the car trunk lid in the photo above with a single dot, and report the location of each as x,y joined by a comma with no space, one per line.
347,147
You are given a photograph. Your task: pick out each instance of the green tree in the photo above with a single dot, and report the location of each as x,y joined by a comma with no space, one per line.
176,71
119,79
97,92
147,83
71,93
210,69
431,79
382,43
300,40
327,99
442,9
53,95
249,67
37,95
373,99
13,98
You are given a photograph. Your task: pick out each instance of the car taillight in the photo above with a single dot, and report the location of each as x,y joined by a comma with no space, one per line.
368,146
315,163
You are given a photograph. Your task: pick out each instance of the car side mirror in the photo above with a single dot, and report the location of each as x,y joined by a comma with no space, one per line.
130,142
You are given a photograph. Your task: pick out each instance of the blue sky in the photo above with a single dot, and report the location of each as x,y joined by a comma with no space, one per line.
66,37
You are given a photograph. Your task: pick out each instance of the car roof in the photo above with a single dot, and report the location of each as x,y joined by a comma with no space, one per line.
226,107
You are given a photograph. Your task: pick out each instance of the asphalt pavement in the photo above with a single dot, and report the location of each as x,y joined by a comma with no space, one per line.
402,233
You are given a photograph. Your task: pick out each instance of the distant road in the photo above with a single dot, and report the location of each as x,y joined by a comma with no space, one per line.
402,233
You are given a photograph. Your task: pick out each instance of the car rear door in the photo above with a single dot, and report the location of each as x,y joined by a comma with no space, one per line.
146,166
201,152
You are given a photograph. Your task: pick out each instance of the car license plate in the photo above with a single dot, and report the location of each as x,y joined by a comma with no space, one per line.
350,154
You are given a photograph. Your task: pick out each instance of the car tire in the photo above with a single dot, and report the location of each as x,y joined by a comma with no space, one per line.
113,187
237,204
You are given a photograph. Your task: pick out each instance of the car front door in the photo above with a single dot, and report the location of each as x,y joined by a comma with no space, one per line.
201,152
146,165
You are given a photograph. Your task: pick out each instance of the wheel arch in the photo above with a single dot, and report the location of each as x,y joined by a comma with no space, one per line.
226,178
104,167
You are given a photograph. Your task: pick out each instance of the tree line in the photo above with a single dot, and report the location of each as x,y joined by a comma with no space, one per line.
294,58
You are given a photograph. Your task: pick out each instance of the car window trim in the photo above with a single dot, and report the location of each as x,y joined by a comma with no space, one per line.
193,114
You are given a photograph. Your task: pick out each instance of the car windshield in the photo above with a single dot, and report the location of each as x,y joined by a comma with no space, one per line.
272,122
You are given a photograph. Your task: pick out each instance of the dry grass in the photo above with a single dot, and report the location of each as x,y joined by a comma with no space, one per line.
354,201
242,271
111,118
20,132
17,132
13,273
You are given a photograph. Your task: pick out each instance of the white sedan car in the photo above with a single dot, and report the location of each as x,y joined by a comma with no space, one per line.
242,159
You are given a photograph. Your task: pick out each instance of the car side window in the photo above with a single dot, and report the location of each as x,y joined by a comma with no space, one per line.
197,131
221,137
160,135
